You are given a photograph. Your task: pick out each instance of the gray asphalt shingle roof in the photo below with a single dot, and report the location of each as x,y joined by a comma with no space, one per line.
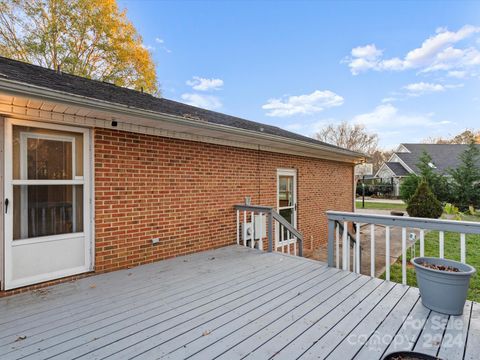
444,156
397,168
50,79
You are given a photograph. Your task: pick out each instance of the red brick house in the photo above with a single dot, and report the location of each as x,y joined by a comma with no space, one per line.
96,177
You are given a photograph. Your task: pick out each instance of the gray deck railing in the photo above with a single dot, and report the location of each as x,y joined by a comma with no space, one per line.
352,241
262,222
463,228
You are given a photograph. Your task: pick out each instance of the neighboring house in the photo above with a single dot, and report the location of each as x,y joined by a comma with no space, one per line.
404,161
98,177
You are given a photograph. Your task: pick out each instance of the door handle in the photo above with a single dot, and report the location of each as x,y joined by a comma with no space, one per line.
6,205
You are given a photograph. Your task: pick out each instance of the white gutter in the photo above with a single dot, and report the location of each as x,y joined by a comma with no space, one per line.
22,89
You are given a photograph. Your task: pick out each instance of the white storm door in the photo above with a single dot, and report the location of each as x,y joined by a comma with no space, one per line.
286,202
47,202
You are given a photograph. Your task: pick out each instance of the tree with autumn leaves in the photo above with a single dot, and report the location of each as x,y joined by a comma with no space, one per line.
93,39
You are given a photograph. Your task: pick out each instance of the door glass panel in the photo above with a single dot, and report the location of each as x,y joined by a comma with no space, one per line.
49,159
287,214
43,210
47,154
285,189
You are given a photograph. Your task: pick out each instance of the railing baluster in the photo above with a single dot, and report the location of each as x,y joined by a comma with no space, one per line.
441,244
387,253
463,252
354,258
372,250
288,239
346,247
270,231
260,240
295,246
357,250
238,227
337,244
422,243
244,228
404,256
282,237
252,241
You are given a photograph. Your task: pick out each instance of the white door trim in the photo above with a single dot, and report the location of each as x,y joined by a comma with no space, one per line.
88,204
293,173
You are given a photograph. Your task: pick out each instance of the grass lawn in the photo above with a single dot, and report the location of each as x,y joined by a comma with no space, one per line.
381,206
452,251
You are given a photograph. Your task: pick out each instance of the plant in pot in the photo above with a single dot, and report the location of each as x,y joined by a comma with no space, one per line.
443,283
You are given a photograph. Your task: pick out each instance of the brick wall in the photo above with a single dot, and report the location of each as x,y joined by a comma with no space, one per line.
183,192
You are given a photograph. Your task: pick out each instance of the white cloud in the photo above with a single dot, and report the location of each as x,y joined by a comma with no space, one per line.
162,46
421,88
435,53
388,116
204,84
389,99
148,47
308,128
459,74
208,102
393,125
367,52
302,104
364,58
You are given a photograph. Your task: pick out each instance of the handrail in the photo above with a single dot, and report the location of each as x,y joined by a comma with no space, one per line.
466,227
257,208
272,214
285,223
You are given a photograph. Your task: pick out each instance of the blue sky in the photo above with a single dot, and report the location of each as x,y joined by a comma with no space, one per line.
407,70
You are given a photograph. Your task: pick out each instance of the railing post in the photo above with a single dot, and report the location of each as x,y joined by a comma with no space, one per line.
358,250
337,245
270,231
331,233
238,227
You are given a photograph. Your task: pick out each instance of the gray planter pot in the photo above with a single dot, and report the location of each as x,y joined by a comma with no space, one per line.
443,291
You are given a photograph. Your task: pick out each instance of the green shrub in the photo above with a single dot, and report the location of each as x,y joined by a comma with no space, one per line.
408,187
436,181
466,179
424,203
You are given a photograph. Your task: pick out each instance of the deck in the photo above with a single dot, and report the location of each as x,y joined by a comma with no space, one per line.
231,303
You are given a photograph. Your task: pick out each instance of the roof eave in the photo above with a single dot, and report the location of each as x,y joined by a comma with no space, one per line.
22,89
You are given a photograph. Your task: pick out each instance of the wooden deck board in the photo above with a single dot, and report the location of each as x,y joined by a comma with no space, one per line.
472,349
56,317
230,303
374,347
286,330
354,339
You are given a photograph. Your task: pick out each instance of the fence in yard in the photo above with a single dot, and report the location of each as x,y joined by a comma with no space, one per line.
256,223
341,240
